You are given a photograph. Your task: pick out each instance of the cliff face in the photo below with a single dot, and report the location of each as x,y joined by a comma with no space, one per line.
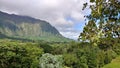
26,27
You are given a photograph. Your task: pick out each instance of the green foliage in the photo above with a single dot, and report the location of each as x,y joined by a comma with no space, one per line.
114,64
82,55
50,61
88,57
19,55
103,31
70,60
116,48
109,55
90,33
104,14
46,47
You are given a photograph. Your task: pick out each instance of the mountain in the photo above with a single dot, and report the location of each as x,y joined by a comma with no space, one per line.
26,27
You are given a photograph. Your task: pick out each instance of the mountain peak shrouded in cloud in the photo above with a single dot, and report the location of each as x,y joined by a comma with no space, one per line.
63,14
24,27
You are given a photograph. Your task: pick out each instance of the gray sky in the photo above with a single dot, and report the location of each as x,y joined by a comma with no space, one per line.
66,15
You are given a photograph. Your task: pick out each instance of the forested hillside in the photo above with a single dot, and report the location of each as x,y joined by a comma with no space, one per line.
26,27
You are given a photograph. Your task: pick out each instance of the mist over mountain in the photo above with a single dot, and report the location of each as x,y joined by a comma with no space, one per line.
27,27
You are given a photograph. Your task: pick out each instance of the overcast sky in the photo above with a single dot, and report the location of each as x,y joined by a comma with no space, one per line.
66,15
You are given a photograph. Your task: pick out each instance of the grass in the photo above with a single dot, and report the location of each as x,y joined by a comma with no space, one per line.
114,64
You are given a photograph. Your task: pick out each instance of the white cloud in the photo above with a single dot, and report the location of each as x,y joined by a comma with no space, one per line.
74,34
78,16
53,11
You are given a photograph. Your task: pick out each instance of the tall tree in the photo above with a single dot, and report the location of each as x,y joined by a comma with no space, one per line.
103,21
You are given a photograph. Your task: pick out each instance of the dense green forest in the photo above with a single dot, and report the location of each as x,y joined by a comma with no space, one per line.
98,45
17,54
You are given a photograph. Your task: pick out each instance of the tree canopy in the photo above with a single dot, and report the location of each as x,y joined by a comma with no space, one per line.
103,21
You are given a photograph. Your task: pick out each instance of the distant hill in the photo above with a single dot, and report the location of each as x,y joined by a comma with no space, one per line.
26,27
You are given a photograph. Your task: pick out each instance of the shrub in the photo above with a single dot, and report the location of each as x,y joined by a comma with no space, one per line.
51,61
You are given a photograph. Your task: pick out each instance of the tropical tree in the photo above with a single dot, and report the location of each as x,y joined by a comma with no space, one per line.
103,21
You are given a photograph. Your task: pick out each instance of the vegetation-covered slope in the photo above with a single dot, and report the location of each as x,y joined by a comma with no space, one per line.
114,64
27,27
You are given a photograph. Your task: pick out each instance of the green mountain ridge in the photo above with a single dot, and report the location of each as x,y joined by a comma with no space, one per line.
26,27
